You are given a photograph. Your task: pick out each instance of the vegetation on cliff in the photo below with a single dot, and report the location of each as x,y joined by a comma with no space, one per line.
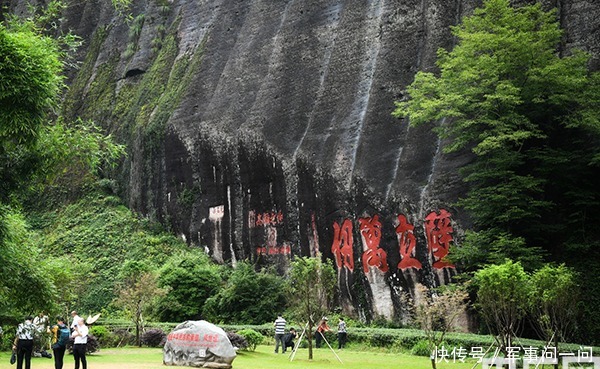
529,112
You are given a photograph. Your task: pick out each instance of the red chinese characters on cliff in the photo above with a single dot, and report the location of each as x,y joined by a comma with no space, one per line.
407,243
342,245
374,256
438,230
265,226
266,219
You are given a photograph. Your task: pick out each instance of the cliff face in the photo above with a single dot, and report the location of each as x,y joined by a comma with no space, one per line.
262,129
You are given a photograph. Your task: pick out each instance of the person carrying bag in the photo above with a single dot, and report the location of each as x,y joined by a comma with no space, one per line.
23,344
13,357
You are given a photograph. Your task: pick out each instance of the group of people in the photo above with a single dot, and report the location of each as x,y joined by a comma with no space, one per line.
286,340
282,338
342,333
60,335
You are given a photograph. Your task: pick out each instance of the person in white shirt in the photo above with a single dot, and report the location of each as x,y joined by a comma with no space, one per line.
23,343
75,319
80,334
41,322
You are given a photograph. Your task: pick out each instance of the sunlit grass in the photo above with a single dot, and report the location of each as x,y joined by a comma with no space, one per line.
262,358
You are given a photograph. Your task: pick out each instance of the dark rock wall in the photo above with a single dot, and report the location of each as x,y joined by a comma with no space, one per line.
259,130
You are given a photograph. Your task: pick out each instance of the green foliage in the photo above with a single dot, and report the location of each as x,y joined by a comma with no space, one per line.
584,258
135,30
253,338
247,297
98,234
136,292
191,278
123,8
24,269
503,298
32,152
437,311
72,157
29,85
164,7
312,283
421,348
105,337
530,116
132,269
494,246
187,197
555,302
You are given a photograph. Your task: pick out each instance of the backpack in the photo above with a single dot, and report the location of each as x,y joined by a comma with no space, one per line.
63,336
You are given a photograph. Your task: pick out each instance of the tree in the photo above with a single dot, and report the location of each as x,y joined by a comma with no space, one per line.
437,312
137,291
503,297
555,303
247,297
26,286
191,278
29,85
530,116
72,156
312,284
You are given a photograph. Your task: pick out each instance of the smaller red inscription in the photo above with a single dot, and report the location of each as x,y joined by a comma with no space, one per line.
277,250
184,337
211,338
265,219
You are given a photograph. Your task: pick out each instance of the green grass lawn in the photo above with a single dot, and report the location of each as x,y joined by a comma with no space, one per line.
262,358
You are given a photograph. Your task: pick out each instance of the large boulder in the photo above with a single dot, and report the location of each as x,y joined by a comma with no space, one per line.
198,343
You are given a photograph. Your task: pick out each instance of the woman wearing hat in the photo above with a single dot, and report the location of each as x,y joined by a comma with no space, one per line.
321,329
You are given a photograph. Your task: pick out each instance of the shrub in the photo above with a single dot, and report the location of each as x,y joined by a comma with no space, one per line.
247,297
6,338
237,340
92,344
103,335
124,337
191,279
154,338
421,348
382,340
252,337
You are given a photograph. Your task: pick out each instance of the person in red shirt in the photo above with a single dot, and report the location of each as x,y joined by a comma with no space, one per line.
321,329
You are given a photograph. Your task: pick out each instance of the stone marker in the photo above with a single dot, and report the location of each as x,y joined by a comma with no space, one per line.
198,343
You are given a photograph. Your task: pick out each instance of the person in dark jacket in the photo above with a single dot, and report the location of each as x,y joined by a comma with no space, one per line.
288,339
59,345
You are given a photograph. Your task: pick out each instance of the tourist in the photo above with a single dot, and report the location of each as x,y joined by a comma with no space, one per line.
23,343
279,332
321,329
342,333
80,334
